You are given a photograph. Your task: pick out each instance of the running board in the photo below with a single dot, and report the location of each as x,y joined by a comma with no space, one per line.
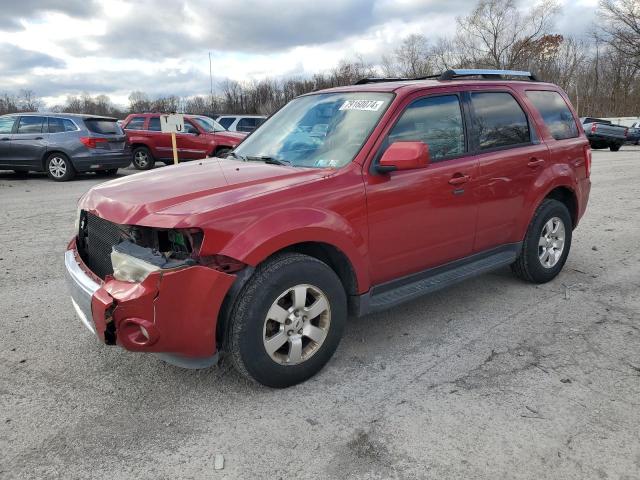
393,293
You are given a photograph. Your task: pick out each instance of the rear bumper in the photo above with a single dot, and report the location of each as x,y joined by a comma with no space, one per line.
173,312
583,191
101,161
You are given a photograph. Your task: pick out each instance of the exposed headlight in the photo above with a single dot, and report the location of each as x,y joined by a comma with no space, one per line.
130,269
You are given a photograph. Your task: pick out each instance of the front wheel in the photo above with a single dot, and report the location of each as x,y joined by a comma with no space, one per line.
287,322
546,244
614,148
142,158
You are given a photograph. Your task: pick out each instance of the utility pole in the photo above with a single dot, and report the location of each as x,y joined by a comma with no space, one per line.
210,84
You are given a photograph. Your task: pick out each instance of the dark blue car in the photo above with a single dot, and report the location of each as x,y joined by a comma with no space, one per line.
62,144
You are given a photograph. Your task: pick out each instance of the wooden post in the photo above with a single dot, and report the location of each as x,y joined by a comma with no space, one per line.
175,148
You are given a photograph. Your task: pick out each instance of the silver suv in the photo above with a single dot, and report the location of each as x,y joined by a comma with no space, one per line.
62,144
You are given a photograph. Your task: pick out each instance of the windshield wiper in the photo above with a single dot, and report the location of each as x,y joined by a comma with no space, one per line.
269,160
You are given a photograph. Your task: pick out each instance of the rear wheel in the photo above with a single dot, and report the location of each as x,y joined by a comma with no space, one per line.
59,167
287,322
614,148
546,245
142,158
222,152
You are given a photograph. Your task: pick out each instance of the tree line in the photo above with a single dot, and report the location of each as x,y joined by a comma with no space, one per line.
601,73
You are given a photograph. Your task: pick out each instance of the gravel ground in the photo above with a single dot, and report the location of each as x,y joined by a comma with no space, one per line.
493,378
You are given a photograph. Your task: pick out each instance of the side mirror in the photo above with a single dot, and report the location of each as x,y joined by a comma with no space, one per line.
404,156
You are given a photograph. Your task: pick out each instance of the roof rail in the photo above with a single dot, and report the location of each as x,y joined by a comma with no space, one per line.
457,73
486,74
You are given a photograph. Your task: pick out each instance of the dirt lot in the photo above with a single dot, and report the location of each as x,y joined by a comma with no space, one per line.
493,378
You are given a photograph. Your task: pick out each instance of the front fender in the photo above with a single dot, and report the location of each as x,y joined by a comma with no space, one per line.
280,230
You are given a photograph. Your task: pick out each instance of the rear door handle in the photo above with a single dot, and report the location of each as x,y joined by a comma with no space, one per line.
459,179
535,162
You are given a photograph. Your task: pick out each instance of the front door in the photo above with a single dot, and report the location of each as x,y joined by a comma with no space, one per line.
30,140
424,218
6,130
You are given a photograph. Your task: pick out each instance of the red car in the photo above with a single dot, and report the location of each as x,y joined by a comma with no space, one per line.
346,201
203,137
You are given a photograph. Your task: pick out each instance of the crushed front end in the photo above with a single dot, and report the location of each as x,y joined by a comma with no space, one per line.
147,289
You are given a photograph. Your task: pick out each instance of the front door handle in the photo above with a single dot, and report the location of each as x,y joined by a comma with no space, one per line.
459,179
535,162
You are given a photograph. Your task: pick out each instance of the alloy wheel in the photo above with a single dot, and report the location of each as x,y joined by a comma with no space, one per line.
57,167
551,242
141,159
296,324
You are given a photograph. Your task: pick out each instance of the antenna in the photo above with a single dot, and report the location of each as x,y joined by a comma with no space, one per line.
210,83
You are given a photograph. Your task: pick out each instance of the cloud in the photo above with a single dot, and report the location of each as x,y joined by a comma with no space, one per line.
13,11
17,61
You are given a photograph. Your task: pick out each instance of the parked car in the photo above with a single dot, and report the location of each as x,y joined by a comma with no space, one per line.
414,186
62,144
241,123
203,137
604,134
633,134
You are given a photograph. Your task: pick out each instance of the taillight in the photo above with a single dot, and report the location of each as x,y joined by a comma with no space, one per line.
594,127
91,142
587,160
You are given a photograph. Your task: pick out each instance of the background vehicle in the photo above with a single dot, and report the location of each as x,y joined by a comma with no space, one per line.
603,134
241,123
203,137
388,191
633,135
62,144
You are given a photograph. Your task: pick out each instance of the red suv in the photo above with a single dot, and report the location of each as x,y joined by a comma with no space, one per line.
346,201
202,137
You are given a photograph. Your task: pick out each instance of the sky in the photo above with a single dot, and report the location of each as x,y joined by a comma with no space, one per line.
62,47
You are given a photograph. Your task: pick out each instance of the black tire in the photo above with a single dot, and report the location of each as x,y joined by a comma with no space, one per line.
614,148
245,332
59,167
528,266
222,152
143,159
107,173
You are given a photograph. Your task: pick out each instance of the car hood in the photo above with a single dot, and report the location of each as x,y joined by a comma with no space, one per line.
167,196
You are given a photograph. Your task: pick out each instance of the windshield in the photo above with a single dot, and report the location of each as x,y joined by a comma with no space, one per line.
208,125
322,130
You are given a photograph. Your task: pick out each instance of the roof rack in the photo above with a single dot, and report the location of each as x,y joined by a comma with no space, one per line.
457,73
486,74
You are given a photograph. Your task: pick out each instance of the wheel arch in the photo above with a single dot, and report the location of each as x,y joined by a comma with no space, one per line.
567,196
48,153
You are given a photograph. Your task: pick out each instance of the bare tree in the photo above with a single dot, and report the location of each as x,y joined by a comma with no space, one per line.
497,34
622,27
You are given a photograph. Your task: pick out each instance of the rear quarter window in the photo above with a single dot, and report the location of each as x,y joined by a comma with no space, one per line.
500,121
555,113
103,126
226,121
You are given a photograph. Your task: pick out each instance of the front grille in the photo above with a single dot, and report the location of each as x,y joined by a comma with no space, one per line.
96,238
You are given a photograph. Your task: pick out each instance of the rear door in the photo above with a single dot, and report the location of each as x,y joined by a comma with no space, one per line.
6,131
510,157
30,140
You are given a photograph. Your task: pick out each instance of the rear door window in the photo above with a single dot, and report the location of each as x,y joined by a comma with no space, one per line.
6,124
436,121
246,125
136,123
103,126
555,113
154,124
500,121
59,125
30,125
226,122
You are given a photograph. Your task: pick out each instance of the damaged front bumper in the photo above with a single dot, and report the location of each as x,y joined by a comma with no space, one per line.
173,312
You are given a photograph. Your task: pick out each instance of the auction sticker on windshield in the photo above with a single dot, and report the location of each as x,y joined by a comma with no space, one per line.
366,105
